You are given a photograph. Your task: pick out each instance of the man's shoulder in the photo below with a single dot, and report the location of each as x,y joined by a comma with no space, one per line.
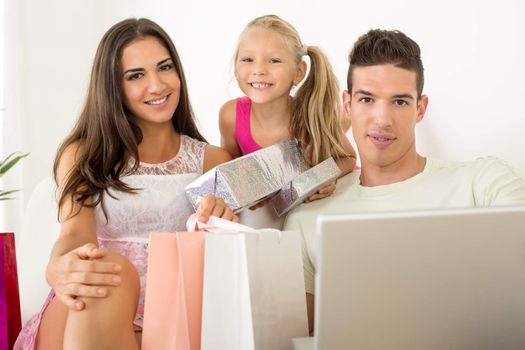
496,163
478,165
489,180
349,180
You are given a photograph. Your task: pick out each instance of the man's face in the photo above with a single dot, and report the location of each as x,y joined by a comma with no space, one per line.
383,108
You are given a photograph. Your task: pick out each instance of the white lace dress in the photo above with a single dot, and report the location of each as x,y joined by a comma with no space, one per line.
160,205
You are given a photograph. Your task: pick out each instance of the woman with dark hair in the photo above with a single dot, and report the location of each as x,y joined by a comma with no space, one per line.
120,174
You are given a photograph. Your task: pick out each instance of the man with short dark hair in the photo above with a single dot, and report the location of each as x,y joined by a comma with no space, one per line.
384,102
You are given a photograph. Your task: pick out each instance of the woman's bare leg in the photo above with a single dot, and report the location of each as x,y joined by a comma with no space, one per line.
51,332
104,323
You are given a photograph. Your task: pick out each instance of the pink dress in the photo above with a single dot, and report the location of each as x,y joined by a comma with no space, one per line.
243,133
161,205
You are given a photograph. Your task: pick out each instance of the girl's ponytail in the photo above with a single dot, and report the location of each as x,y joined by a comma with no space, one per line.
316,111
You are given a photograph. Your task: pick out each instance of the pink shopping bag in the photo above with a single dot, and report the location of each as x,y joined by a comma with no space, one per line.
173,300
10,319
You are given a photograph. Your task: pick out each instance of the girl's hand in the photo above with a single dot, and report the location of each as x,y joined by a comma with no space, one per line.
260,204
79,274
211,205
322,193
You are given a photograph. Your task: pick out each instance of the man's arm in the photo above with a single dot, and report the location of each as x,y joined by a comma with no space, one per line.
495,183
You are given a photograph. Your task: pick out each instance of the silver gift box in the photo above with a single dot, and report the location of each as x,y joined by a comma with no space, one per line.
304,185
249,179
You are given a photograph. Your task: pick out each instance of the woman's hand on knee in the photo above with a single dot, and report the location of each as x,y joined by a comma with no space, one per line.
79,274
211,205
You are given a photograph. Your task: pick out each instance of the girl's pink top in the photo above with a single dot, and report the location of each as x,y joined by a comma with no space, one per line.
243,134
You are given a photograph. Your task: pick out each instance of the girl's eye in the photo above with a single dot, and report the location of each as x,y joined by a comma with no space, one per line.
166,67
246,59
135,76
275,60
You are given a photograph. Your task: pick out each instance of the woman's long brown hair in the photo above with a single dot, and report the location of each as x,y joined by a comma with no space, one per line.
105,132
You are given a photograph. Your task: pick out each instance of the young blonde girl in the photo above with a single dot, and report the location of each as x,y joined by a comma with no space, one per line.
268,66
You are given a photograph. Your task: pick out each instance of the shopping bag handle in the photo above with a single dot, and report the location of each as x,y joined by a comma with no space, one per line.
216,224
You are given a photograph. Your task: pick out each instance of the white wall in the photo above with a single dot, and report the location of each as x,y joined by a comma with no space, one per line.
473,52
49,50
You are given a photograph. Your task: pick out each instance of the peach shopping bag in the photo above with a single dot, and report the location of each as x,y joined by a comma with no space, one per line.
173,300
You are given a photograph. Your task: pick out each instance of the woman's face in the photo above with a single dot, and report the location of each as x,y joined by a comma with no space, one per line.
150,83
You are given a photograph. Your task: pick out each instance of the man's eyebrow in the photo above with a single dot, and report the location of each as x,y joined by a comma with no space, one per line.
363,92
134,70
409,96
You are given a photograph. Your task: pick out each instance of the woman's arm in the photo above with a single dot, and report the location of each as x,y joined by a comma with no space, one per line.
214,156
72,270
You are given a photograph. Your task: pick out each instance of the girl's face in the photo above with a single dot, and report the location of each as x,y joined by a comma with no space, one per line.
265,67
150,83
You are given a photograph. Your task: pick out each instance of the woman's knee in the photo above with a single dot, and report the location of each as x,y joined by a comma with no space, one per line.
128,274
128,288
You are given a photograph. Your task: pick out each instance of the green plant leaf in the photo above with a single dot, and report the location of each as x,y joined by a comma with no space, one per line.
10,161
4,194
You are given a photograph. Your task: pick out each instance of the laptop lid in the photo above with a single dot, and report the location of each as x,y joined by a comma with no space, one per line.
451,279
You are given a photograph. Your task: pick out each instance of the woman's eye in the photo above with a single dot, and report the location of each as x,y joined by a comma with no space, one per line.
275,60
135,76
166,67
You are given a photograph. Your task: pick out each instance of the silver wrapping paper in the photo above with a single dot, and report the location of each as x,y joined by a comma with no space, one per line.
301,186
249,179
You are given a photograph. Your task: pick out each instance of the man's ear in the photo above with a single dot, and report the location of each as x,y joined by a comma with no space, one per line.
347,99
346,123
422,104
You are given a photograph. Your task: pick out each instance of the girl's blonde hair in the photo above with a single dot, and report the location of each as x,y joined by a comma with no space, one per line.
316,109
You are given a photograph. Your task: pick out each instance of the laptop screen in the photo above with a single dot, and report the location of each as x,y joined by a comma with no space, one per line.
452,279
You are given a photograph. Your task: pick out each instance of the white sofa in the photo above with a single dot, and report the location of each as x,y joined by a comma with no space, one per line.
40,229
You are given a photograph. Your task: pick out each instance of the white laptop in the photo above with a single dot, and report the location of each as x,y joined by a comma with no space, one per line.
452,279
